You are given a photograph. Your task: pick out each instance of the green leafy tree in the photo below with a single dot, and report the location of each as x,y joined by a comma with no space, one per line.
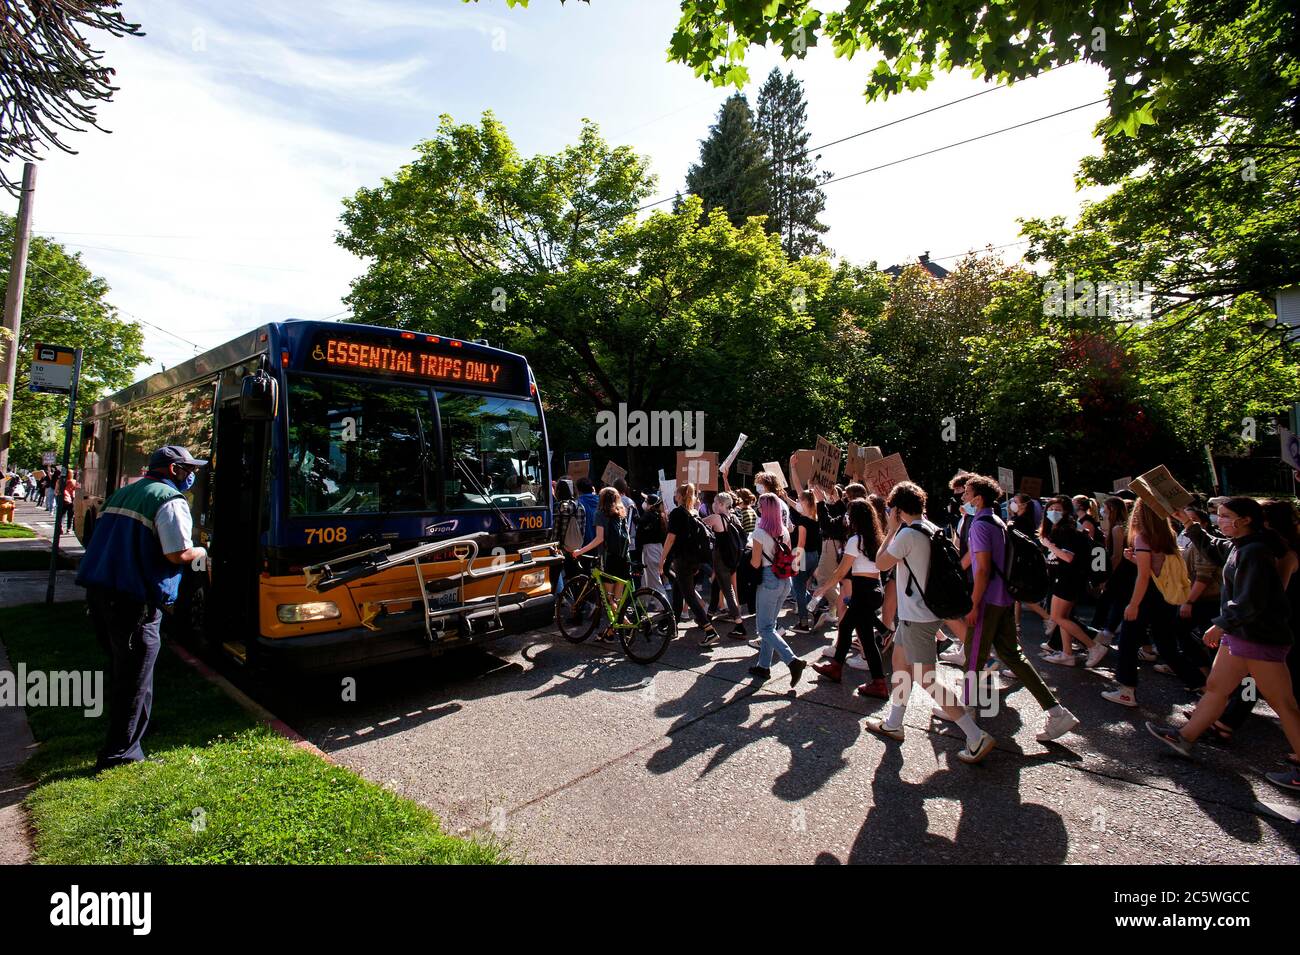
64,304
794,202
733,173
679,311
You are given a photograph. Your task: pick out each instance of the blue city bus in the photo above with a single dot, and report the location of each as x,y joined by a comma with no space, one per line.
374,494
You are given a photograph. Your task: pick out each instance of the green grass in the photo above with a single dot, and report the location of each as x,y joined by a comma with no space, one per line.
225,790
16,530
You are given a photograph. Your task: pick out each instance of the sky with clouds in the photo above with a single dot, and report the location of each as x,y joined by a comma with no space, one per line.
238,127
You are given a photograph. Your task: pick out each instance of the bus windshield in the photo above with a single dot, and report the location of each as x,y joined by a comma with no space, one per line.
360,447
492,451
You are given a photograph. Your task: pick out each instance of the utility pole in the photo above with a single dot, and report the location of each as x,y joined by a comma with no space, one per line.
13,316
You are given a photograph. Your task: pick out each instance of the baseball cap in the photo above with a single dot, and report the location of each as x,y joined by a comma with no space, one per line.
173,454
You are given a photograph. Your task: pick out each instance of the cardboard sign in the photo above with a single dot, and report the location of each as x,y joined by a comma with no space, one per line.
1007,480
611,474
1161,492
579,468
873,453
826,465
854,458
1290,448
745,468
1121,484
1033,486
774,469
879,477
48,458
801,468
700,469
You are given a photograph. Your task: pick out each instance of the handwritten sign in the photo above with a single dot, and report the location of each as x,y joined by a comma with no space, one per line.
1121,484
611,474
745,468
1161,492
1007,480
826,464
579,468
801,468
879,477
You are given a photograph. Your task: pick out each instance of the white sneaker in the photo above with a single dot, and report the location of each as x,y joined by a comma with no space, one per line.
1123,695
956,656
1106,637
1049,627
1096,654
857,661
1060,659
1058,724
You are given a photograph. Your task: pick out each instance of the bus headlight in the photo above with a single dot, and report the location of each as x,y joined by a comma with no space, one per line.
535,579
301,613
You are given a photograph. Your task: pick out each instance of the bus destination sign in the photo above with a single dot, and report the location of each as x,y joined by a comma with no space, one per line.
347,354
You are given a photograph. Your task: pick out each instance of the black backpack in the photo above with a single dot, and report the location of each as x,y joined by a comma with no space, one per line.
730,542
946,591
698,546
1025,565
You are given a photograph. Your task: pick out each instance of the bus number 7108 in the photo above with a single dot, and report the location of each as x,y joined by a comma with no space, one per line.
327,535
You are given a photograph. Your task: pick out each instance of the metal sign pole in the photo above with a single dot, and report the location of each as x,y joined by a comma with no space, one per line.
63,478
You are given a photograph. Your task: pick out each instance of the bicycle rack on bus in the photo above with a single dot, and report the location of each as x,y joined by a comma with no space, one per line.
469,613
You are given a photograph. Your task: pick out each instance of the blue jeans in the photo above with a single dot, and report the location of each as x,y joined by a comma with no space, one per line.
801,598
771,596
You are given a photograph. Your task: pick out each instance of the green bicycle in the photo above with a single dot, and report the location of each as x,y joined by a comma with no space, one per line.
642,619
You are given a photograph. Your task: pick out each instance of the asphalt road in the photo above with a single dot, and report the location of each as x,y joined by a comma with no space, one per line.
571,754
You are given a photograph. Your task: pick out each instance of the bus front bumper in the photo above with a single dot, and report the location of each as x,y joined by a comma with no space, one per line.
359,647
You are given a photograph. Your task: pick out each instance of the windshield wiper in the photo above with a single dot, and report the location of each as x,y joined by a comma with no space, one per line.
464,469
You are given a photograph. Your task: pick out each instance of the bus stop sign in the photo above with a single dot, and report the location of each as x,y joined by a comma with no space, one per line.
52,369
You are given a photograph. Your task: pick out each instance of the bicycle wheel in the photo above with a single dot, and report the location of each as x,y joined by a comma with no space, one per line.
578,609
650,624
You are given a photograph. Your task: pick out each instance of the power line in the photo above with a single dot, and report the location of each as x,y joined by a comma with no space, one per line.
63,284
864,132
963,142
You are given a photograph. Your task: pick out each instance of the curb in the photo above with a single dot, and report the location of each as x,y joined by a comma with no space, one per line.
248,704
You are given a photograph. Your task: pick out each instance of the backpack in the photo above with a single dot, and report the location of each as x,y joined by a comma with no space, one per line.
946,591
782,560
730,542
698,546
1024,567
572,525
618,540
1173,581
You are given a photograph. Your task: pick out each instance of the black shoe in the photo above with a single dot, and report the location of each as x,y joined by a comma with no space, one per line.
740,633
803,626
710,637
762,673
797,667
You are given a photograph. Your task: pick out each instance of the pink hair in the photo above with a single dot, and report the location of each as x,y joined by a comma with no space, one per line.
769,515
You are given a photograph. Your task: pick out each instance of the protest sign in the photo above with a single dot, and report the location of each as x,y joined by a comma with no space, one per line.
740,443
579,468
774,469
1159,490
700,470
1033,486
1007,480
611,474
826,464
745,468
801,468
879,477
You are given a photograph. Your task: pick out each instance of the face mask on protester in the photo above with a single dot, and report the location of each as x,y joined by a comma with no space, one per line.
969,508
1055,516
1214,519
1014,507
187,483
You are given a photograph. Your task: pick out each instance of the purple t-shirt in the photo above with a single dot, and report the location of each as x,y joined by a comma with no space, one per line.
987,537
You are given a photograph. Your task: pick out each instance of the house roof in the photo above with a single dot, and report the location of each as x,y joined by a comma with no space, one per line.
923,260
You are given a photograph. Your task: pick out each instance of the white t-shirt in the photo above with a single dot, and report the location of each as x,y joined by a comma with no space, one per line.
862,564
910,545
768,545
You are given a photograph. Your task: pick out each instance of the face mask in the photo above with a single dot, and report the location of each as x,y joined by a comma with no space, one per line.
969,508
1054,516
1014,507
1214,519
187,483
